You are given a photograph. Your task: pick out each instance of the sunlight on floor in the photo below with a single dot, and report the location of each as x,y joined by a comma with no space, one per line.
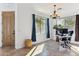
38,50
51,48
75,48
29,54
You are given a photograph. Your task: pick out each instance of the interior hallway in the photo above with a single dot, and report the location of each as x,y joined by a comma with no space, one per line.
52,48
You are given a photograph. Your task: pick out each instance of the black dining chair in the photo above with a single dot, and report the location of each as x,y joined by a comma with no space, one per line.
70,33
67,40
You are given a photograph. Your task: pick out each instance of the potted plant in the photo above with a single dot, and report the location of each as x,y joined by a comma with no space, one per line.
57,26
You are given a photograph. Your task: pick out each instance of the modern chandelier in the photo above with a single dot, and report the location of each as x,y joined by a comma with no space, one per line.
55,14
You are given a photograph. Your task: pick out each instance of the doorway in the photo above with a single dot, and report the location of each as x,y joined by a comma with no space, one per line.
8,29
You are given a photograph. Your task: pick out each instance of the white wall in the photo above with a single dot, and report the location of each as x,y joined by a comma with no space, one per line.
5,7
24,24
52,23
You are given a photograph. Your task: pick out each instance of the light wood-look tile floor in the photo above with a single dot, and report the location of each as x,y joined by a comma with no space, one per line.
53,48
9,51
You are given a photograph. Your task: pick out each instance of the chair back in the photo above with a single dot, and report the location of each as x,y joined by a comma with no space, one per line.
70,33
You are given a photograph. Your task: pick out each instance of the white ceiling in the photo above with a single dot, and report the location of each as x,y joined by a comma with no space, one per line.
68,9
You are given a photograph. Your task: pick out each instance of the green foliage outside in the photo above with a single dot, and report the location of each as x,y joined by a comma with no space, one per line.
58,26
39,22
69,23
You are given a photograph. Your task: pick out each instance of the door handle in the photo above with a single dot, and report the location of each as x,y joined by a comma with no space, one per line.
13,33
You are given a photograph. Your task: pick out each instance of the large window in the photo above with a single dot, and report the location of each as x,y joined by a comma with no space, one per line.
67,22
41,26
